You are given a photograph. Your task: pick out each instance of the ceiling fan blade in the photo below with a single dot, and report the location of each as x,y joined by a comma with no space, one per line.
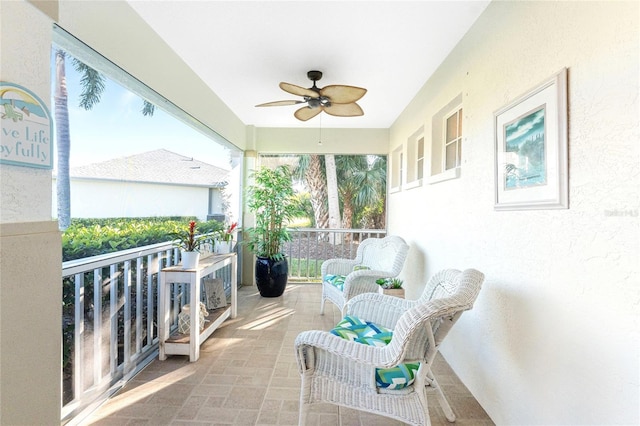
340,94
280,103
305,113
344,110
297,90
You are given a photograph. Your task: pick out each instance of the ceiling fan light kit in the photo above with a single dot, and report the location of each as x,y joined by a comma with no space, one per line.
337,100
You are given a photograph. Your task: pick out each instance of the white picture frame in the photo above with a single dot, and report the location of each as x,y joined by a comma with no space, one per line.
531,144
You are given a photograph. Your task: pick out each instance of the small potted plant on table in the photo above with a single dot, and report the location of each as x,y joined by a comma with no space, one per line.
391,286
189,242
224,243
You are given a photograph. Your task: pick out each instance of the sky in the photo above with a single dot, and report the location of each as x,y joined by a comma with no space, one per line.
115,127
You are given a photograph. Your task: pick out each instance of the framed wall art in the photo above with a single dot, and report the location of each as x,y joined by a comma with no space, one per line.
531,170
214,293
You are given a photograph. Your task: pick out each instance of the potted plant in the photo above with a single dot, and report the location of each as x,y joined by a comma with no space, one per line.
391,286
224,240
271,199
189,242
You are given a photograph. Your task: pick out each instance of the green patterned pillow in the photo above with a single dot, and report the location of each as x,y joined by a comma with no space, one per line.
336,280
368,333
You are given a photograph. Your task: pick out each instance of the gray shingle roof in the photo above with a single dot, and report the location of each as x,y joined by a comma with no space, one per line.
159,166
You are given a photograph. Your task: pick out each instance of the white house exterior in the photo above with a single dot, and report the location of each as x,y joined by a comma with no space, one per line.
155,183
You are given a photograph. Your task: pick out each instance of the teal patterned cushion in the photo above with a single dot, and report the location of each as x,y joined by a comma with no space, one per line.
368,333
336,280
351,328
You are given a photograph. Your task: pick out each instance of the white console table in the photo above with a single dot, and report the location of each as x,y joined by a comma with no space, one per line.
181,344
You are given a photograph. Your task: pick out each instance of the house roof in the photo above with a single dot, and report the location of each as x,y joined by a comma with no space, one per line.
159,166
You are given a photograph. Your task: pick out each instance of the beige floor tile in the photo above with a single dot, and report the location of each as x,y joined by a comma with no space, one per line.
247,375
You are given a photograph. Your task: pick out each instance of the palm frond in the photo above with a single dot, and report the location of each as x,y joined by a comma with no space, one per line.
92,82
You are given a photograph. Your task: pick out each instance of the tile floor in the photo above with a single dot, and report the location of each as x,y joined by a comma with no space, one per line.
247,375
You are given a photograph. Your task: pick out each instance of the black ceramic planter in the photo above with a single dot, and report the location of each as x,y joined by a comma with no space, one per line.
271,276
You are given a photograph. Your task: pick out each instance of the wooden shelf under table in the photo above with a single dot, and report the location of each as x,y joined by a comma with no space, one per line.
211,323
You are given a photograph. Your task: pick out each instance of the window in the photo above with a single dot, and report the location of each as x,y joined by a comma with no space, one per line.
453,140
415,159
446,142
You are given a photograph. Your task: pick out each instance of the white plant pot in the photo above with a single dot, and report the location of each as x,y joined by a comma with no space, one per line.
190,259
223,247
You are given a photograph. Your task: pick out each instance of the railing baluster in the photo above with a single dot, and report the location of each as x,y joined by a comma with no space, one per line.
97,326
153,262
308,257
127,315
139,299
78,336
113,315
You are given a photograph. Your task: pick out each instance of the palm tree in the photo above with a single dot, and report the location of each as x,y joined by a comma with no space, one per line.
310,170
362,184
333,196
63,141
93,84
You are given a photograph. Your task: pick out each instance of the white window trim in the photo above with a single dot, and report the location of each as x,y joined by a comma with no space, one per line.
438,143
396,169
446,175
457,140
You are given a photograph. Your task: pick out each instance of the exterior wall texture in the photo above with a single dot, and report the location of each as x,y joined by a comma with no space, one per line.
553,337
30,244
102,199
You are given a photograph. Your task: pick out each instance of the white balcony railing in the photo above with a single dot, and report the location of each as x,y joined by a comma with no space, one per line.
109,308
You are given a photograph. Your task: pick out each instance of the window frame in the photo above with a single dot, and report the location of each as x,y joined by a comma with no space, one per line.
457,140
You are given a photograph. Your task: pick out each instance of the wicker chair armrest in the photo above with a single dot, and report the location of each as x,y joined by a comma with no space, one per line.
337,266
323,341
362,281
378,308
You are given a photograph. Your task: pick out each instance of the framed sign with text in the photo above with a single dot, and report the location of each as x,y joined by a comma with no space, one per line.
25,138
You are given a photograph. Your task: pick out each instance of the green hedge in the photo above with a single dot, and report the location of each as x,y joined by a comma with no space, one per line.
91,237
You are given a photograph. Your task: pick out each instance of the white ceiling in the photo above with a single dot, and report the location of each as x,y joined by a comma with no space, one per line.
243,49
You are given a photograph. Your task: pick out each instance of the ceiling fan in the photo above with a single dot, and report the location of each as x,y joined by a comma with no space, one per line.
338,100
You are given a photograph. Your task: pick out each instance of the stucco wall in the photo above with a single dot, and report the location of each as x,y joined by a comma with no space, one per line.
26,192
553,338
101,199
30,245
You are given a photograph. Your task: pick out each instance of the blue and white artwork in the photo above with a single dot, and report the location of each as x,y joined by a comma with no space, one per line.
525,151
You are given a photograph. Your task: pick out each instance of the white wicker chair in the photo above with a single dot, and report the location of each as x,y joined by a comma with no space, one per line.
342,372
384,258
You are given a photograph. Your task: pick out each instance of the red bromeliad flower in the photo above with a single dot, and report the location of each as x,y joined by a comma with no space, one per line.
228,236
188,240
191,241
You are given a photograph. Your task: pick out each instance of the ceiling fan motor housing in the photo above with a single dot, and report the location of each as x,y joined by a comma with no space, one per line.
314,75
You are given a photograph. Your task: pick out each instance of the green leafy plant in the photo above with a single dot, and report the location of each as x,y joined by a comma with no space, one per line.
91,237
188,240
389,283
271,199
